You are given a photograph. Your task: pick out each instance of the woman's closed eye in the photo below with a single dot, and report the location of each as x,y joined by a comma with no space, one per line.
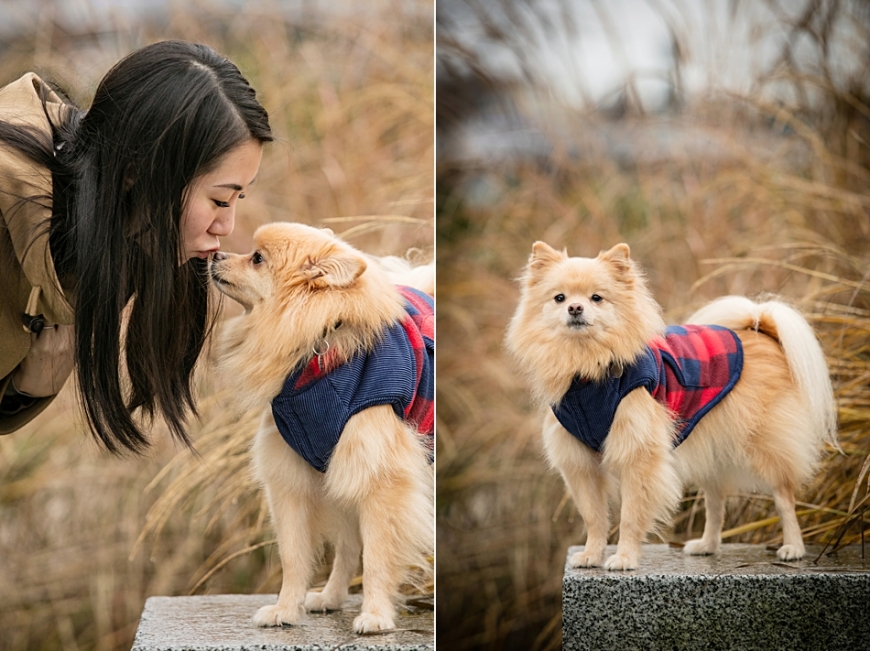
225,204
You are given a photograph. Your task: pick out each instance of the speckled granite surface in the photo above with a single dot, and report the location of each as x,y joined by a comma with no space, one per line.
223,623
742,598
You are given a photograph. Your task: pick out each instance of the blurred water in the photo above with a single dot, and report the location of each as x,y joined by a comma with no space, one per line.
589,52
520,68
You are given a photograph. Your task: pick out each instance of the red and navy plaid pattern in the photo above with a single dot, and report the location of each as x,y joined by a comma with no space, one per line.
419,327
697,366
690,370
318,400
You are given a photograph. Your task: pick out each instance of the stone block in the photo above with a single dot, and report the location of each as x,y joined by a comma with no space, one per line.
223,623
743,598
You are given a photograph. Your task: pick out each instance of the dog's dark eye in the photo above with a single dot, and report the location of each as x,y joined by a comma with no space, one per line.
256,258
559,298
596,298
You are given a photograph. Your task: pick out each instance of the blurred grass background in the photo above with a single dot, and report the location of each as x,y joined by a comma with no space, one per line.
762,185
349,90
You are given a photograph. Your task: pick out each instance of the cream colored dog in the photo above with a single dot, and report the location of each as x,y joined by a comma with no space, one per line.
584,326
313,301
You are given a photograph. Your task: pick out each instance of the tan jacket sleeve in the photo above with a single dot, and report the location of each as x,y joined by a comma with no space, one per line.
17,410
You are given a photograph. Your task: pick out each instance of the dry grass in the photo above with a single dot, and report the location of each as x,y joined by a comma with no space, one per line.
350,98
503,521
782,207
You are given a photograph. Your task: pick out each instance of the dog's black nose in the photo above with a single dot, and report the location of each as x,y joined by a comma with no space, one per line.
575,309
219,255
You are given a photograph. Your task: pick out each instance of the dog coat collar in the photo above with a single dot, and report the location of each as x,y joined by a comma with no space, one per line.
317,400
690,370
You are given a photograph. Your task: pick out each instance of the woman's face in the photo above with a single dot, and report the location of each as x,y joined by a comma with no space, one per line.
210,212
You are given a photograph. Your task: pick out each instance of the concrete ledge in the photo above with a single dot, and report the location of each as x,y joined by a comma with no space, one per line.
223,623
742,598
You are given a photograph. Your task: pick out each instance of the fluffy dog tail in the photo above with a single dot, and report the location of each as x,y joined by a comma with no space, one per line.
804,355
401,272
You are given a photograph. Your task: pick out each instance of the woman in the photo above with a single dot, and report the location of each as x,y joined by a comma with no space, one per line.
118,205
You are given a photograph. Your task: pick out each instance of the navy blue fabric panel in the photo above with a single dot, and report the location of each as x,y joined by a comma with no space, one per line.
312,417
588,408
294,414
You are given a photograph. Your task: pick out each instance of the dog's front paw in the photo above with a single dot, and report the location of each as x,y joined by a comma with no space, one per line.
620,562
321,602
586,559
790,552
370,623
700,547
278,615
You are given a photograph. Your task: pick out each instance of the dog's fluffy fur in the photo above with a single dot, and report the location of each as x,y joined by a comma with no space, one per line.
765,435
376,495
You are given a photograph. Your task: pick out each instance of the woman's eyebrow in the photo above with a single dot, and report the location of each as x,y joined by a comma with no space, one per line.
234,186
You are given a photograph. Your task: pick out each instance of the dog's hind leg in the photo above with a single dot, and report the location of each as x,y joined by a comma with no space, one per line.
711,539
792,541
381,524
380,467
347,552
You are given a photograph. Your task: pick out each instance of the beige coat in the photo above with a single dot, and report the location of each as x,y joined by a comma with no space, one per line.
27,276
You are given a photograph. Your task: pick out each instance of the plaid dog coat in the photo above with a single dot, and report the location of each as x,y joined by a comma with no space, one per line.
689,371
317,401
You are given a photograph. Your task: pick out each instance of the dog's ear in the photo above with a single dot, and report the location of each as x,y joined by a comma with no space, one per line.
543,255
338,269
619,257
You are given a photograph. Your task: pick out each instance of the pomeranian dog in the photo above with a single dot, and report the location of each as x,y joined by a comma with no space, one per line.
741,400
341,361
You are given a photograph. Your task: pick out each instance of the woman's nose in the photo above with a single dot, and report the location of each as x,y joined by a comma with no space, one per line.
223,225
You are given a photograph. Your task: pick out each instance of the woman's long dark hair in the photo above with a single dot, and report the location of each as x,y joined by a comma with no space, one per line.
161,117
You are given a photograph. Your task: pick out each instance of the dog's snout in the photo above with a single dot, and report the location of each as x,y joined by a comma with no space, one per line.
575,309
219,255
